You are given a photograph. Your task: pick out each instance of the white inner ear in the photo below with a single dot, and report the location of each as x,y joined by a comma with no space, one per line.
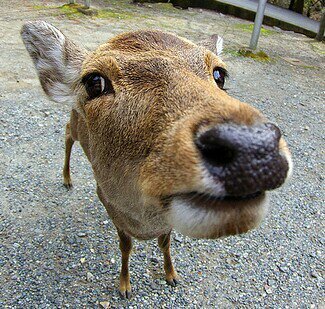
57,60
219,45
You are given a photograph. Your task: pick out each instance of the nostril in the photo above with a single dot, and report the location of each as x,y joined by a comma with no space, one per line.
245,158
215,149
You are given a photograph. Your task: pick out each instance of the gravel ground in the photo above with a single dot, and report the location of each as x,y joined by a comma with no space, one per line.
59,248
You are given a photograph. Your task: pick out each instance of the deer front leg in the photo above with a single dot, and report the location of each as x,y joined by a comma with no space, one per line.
125,247
68,146
164,245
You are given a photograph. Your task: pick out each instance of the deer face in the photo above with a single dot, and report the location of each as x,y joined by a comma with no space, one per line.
162,132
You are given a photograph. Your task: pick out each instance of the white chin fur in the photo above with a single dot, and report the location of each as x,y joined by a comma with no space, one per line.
290,164
231,218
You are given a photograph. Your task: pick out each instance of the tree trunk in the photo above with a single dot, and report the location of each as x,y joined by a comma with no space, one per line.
292,3
299,7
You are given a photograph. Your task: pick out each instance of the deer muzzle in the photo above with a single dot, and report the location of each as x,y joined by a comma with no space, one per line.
246,159
243,163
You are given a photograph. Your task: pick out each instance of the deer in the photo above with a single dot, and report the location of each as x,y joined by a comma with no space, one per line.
170,149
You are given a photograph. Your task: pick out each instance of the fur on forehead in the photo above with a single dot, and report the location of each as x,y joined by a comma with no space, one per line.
152,44
149,40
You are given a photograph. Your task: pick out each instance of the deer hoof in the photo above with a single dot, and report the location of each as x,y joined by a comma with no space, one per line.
125,294
68,184
172,282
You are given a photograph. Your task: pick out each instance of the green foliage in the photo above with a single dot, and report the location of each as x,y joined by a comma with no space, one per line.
71,10
112,14
250,27
78,10
39,7
318,47
260,55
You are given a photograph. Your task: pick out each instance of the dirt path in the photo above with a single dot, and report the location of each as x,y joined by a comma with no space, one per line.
59,249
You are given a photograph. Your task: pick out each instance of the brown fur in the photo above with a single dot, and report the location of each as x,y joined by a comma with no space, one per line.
139,140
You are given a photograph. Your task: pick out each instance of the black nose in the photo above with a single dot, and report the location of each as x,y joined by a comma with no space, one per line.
245,158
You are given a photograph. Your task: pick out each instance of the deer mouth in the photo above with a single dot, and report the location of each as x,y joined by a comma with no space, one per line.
206,216
213,200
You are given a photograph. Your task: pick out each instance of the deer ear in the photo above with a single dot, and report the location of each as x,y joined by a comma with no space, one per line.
219,45
57,60
214,43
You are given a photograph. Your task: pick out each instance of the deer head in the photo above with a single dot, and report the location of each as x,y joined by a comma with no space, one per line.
168,146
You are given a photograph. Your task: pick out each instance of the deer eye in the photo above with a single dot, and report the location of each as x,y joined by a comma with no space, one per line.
96,85
219,75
